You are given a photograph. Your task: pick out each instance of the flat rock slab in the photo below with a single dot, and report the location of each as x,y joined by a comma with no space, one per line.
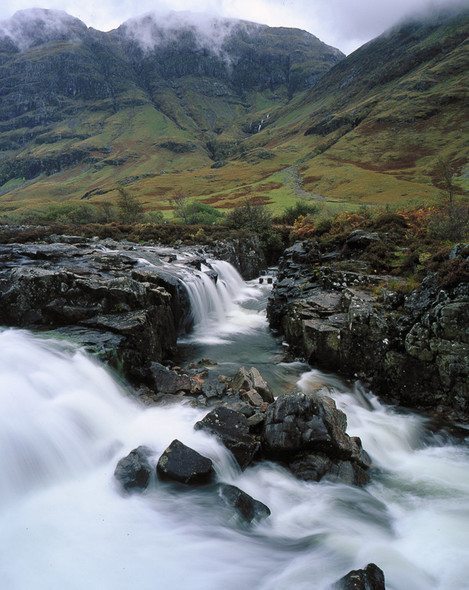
184,465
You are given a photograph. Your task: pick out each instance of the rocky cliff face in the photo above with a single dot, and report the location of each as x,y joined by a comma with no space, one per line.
411,349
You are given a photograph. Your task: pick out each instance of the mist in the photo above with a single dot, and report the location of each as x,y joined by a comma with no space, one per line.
160,27
345,24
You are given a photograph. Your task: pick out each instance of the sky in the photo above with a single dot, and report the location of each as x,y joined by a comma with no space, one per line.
345,24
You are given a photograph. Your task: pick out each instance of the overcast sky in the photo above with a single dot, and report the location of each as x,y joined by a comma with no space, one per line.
345,24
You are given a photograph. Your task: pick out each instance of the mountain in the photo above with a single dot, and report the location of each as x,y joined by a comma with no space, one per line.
376,122
81,108
221,110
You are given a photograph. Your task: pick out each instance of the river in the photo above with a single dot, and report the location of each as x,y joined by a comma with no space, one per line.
65,420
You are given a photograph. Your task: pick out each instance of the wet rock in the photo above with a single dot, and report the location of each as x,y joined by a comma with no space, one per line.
253,398
251,379
133,472
293,423
212,387
256,422
184,465
89,294
318,466
179,302
412,349
244,505
244,254
232,429
308,432
369,578
168,382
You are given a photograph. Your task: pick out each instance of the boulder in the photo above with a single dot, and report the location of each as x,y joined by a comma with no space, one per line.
184,465
369,578
253,398
251,379
213,387
133,472
232,429
308,432
360,239
317,466
168,382
294,423
244,505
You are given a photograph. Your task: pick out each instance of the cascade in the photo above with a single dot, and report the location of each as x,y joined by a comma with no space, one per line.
65,421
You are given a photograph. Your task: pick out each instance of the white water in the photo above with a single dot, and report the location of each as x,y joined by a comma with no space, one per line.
216,306
65,422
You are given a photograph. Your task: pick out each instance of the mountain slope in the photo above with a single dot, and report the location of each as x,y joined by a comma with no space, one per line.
144,99
224,110
376,122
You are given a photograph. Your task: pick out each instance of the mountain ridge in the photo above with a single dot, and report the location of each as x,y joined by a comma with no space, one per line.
177,117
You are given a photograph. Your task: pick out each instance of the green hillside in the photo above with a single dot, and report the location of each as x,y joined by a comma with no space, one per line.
271,114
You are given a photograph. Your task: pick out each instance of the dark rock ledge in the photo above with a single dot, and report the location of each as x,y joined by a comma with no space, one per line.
412,350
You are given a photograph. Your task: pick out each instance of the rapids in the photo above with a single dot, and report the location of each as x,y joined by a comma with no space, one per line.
65,420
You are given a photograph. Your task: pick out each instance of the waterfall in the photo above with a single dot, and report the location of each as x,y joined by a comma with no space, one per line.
216,304
65,422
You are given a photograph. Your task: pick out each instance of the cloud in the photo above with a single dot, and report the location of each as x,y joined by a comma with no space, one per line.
160,27
346,24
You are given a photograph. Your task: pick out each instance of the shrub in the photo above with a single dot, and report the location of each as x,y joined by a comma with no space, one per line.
196,213
156,217
64,213
299,209
323,226
303,227
388,221
106,212
453,272
405,286
255,218
130,210
449,223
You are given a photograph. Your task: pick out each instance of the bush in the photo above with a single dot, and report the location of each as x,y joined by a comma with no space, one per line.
255,218
156,217
449,223
196,213
387,221
299,209
130,210
323,226
453,272
304,227
64,213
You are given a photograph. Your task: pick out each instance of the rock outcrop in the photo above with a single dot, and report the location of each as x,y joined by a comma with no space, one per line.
411,349
232,430
182,464
125,302
245,254
369,578
308,433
